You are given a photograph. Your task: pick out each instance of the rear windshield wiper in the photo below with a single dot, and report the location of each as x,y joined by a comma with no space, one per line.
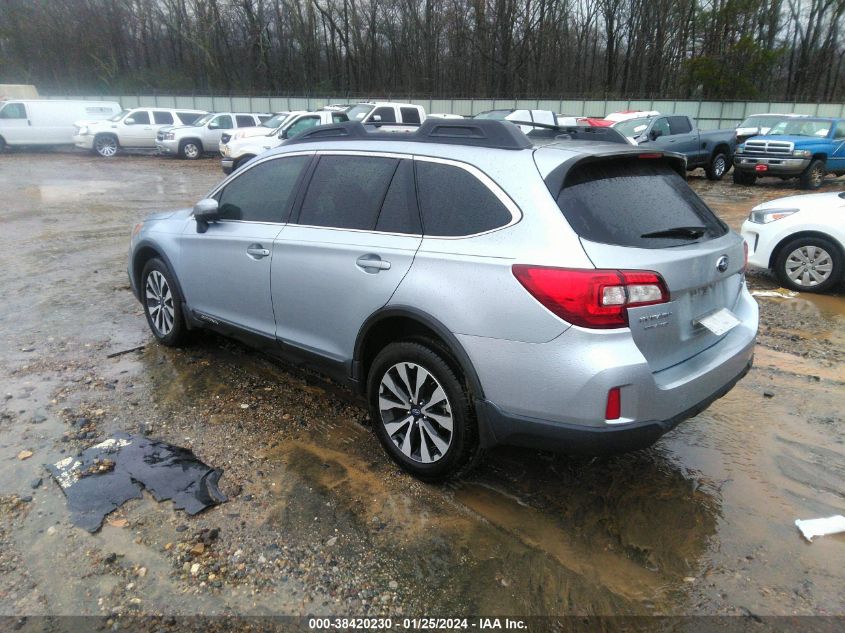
688,232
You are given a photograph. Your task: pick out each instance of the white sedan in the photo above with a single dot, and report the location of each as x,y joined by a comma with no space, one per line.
801,239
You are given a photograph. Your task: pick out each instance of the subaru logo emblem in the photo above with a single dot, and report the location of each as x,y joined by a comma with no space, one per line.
722,263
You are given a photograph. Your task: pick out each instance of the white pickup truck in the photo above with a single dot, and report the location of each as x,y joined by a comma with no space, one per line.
203,135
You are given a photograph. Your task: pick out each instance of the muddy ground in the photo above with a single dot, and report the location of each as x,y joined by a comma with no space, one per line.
318,520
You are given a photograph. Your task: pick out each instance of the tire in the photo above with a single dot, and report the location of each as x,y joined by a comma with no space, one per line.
417,437
718,166
744,178
190,149
163,304
106,145
809,264
813,176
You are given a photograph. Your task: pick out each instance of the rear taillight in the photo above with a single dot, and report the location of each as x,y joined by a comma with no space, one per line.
592,298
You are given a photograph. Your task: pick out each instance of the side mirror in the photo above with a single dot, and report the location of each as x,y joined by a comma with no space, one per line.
205,211
129,121
284,134
654,134
376,118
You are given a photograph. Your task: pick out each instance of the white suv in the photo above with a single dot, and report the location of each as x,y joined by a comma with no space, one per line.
203,135
130,129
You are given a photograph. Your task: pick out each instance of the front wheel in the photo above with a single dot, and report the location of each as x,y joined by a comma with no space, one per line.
743,178
718,166
811,264
813,176
422,412
190,150
106,145
163,304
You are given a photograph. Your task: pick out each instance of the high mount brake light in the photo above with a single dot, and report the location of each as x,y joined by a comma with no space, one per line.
592,298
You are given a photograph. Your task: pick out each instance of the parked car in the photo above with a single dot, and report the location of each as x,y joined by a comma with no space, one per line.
805,148
47,121
444,116
476,290
262,129
130,129
616,117
240,151
801,239
760,124
713,150
381,112
203,135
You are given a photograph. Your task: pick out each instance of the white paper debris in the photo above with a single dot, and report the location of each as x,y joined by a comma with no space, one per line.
821,527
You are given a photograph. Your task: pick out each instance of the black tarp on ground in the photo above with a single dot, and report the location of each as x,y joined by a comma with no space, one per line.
166,471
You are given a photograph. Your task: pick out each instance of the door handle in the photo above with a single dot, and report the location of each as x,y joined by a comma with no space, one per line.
372,263
257,251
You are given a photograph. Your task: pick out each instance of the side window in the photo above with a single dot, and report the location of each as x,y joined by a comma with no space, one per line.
244,120
662,126
188,117
141,117
222,122
410,115
679,125
264,117
264,192
302,124
13,111
347,192
163,118
339,117
839,133
454,202
386,113
399,213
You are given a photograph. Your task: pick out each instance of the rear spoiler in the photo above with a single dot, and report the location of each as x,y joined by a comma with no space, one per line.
546,131
557,177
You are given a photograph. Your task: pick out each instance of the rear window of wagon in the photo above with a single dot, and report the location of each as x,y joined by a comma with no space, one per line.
622,201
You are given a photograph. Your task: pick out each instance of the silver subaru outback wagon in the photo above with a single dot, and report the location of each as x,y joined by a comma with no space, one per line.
474,288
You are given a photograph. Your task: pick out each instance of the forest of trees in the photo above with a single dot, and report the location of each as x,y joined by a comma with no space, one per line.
712,49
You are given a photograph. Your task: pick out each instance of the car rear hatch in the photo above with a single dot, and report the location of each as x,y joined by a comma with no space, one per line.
635,211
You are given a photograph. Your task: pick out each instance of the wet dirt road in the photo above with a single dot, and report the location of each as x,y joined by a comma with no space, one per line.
318,521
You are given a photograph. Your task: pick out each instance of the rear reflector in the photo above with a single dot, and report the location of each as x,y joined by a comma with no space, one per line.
592,298
613,411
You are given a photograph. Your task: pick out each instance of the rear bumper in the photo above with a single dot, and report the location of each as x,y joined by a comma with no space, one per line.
774,166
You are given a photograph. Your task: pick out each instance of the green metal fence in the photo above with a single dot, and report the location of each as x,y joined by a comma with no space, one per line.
709,114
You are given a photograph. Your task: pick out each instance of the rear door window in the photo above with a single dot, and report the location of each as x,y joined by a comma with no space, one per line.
347,192
163,118
454,202
410,115
679,125
635,202
244,120
263,193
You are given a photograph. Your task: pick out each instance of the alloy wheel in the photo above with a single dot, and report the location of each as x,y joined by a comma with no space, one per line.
809,266
191,150
415,412
159,303
106,146
719,166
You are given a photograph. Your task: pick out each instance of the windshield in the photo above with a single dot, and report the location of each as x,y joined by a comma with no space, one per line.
119,115
276,120
498,115
801,127
205,118
359,111
632,127
762,121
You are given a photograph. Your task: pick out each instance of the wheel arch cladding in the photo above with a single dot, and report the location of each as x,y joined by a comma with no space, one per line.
794,236
144,252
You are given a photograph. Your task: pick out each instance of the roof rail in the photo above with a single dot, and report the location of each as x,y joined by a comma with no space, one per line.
480,133
547,132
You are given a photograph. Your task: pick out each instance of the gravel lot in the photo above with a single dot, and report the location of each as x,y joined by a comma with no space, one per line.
318,521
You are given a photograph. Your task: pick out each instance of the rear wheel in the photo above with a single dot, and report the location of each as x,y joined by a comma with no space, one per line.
105,145
811,264
190,150
744,178
813,176
163,304
421,411
718,166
